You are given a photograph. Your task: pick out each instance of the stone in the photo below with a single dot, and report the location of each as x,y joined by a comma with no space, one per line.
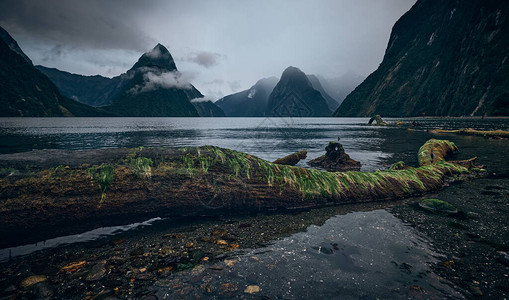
252,289
42,290
73,267
31,280
97,272
230,262
335,159
476,291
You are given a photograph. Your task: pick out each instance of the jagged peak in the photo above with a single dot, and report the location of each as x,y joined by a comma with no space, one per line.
159,57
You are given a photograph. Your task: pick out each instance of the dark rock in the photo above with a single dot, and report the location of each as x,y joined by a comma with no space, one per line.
144,276
138,262
112,281
137,252
335,159
42,290
97,272
292,159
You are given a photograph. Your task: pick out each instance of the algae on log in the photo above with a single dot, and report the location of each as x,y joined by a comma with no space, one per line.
189,181
292,159
504,134
435,151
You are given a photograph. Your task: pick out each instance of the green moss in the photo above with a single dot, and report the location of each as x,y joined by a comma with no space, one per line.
7,171
205,163
434,151
141,166
104,175
188,162
437,205
238,162
400,165
58,171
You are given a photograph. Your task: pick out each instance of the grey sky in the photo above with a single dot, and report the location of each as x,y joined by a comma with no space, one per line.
224,45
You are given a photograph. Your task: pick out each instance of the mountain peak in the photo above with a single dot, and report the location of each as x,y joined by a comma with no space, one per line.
13,45
159,57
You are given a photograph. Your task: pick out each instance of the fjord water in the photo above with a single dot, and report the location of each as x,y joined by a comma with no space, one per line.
368,251
267,138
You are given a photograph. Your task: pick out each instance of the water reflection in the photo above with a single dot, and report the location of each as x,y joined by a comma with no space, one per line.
354,256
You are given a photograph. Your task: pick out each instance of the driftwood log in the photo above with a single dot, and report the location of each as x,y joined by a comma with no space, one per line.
501,134
121,185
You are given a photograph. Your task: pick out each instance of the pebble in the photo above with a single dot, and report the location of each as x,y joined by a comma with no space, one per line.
29,281
475,290
230,262
252,289
73,267
97,272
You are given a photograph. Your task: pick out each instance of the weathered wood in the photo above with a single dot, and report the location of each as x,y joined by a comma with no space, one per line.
190,181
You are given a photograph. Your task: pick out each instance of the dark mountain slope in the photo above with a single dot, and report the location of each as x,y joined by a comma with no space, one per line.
91,90
444,58
13,45
317,85
26,92
208,109
294,96
251,102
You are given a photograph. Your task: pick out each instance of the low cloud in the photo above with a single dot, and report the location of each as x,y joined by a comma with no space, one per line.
234,85
164,80
205,59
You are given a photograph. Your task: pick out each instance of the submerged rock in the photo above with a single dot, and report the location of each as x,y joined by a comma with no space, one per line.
292,159
436,205
335,159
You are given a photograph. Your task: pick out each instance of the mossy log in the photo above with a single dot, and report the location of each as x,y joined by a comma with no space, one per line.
435,151
378,119
292,159
188,182
469,131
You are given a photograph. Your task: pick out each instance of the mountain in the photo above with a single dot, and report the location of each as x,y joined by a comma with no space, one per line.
91,90
26,92
208,109
251,102
339,87
317,85
153,87
294,96
13,45
444,58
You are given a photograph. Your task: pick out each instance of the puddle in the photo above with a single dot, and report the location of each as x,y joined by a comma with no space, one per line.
358,255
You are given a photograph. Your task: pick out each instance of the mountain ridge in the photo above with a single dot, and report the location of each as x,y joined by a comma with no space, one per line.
442,59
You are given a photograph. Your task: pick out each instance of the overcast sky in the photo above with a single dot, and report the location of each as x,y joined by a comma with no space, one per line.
225,46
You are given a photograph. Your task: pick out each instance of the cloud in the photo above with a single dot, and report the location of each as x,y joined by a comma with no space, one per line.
205,59
234,85
216,81
165,80
94,24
